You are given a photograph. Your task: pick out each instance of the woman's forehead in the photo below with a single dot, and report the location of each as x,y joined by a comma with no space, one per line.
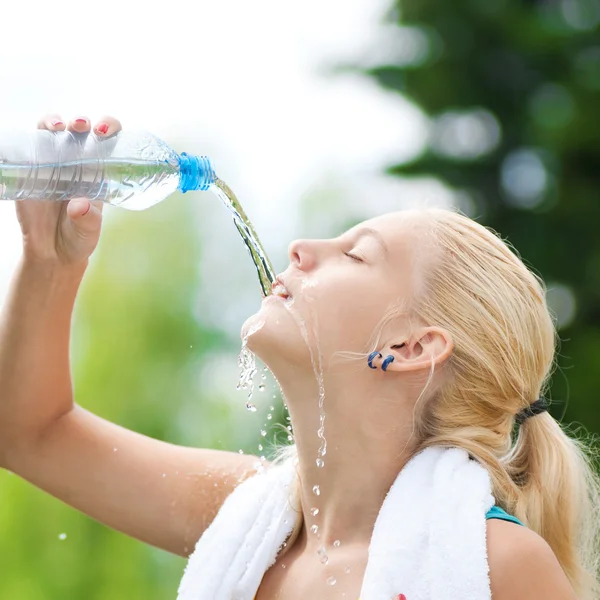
395,228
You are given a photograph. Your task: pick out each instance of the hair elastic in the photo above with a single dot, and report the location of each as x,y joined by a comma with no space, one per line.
535,408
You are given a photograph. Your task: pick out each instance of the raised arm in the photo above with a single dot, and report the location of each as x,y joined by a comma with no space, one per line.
162,494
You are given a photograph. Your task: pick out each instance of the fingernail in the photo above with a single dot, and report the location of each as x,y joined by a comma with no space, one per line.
56,123
102,128
80,120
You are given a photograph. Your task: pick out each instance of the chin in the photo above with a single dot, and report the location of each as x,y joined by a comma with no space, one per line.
274,337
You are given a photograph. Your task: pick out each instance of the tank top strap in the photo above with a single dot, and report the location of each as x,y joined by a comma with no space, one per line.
499,513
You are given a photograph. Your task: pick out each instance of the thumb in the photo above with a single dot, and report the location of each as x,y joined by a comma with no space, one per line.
84,215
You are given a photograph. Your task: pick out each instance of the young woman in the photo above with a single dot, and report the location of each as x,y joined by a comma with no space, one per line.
460,345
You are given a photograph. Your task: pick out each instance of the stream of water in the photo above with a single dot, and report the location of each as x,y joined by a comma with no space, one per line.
247,360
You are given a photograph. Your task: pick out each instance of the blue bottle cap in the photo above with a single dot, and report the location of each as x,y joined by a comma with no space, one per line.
196,173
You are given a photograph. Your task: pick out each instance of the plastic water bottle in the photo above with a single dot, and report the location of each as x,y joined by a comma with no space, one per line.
134,170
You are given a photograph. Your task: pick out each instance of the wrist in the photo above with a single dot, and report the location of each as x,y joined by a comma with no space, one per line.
52,270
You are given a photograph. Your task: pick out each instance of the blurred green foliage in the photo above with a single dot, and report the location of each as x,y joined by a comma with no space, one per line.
513,93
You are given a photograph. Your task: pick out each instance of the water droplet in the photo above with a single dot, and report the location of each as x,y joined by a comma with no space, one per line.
263,376
271,408
260,447
314,512
240,451
331,580
261,387
314,529
114,449
323,554
62,536
290,437
283,565
336,544
164,474
347,570
247,364
289,427
316,490
263,432
269,417
320,463
250,407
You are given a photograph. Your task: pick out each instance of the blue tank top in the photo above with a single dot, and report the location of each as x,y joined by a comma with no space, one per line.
498,513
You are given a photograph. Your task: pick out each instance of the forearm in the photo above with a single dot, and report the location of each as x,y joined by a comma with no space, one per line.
35,326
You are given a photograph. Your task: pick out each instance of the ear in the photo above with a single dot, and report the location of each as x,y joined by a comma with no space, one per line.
427,345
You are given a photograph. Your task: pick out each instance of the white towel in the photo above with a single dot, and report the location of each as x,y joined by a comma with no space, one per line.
429,540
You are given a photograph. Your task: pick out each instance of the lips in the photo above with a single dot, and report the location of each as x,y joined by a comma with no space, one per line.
280,290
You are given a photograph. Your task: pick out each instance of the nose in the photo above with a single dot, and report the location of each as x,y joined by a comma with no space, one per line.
302,254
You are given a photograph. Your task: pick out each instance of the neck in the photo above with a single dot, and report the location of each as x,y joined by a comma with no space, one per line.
367,428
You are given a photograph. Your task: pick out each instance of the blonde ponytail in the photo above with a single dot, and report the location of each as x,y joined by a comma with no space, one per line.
558,496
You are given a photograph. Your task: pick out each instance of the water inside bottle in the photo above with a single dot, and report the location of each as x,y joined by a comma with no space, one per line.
132,183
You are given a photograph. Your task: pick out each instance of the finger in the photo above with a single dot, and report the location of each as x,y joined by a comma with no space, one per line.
79,125
51,122
107,126
78,207
85,214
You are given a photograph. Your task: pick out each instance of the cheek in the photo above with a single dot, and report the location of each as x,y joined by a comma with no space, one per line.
350,317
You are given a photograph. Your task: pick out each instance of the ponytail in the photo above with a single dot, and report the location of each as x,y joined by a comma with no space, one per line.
557,495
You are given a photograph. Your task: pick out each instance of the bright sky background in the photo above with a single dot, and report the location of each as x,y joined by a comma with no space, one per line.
244,82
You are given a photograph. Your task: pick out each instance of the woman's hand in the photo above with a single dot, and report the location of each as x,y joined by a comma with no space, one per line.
59,231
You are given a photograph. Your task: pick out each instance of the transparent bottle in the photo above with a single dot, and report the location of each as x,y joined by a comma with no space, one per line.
134,170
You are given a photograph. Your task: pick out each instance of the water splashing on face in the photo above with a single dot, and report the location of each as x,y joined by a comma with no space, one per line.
317,365
247,361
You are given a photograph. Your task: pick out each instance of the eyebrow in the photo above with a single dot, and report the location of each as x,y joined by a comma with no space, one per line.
375,235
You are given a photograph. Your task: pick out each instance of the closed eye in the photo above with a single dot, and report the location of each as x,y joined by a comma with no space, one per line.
354,257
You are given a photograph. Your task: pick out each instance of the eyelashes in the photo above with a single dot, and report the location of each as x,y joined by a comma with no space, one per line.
353,257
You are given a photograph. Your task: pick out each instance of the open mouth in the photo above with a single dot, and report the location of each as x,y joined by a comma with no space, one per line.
280,290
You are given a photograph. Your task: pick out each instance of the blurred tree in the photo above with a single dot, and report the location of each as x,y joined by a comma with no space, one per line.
513,93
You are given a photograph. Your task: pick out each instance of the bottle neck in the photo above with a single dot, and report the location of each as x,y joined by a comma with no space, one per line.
196,173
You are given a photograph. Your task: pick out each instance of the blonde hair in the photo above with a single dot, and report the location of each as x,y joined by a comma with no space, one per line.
495,309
